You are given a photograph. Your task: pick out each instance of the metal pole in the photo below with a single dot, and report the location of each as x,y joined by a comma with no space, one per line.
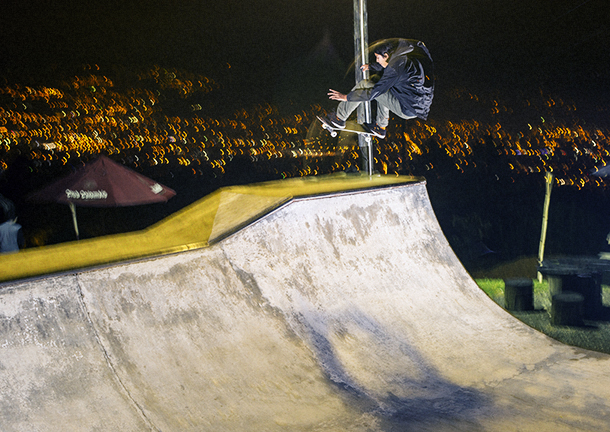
548,177
74,221
361,44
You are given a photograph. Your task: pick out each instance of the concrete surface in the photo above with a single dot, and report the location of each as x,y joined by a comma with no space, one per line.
345,311
206,221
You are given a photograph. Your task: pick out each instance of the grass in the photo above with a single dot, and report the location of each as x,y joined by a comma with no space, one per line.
494,288
594,335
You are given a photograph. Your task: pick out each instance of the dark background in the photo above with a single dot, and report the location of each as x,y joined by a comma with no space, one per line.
560,45
289,53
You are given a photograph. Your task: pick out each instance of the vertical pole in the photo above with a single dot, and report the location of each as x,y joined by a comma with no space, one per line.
548,179
74,221
361,49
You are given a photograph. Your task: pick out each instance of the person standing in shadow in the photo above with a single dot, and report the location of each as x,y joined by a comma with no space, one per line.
11,233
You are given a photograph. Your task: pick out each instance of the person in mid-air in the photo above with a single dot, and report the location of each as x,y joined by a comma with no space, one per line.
405,86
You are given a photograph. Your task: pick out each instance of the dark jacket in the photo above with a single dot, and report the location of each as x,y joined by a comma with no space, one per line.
408,76
11,237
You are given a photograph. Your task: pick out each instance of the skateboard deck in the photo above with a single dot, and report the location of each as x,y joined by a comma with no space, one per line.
350,126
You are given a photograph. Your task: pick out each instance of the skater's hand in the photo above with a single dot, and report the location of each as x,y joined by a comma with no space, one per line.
364,67
335,95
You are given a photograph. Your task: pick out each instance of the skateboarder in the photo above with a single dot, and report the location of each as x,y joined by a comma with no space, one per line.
405,87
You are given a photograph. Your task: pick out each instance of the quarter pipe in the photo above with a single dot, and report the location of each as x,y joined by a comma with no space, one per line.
339,311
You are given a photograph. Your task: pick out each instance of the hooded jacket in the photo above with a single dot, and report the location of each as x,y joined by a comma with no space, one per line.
408,76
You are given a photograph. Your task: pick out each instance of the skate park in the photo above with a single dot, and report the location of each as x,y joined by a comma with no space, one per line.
322,303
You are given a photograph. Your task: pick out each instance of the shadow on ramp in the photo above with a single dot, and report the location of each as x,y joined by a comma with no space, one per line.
412,396
336,310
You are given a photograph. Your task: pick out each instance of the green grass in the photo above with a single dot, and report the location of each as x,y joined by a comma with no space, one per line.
494,288
594,335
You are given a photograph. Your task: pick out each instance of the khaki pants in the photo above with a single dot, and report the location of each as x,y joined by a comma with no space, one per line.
386,102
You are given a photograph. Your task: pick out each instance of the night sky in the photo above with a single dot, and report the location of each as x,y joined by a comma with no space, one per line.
260,45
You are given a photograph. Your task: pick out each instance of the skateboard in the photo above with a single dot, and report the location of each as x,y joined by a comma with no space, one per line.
350,126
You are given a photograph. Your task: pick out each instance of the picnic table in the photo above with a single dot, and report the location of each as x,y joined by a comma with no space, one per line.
577,274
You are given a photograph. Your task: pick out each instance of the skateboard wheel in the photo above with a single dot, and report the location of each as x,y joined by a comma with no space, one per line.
333,134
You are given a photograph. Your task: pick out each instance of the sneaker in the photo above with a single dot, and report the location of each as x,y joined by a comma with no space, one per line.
335,121
374,130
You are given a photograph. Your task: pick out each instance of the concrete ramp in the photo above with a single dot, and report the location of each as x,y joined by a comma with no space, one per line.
334,312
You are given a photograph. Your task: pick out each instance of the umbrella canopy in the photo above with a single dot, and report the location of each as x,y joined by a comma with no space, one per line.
104,183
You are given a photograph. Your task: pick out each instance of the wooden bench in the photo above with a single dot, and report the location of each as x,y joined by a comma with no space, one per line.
518,294
580,275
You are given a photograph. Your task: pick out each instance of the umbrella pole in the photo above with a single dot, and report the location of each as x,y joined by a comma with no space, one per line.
73,210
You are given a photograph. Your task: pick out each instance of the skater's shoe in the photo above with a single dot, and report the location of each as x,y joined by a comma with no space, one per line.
334,121
374,130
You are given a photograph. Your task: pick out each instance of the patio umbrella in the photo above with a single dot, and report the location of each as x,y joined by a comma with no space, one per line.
103,183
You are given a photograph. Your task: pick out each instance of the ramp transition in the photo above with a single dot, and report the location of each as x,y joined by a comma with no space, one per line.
337,311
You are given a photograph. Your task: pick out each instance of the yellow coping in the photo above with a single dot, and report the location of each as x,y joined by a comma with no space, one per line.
203,222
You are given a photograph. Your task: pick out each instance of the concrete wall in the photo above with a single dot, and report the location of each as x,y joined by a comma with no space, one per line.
339,312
